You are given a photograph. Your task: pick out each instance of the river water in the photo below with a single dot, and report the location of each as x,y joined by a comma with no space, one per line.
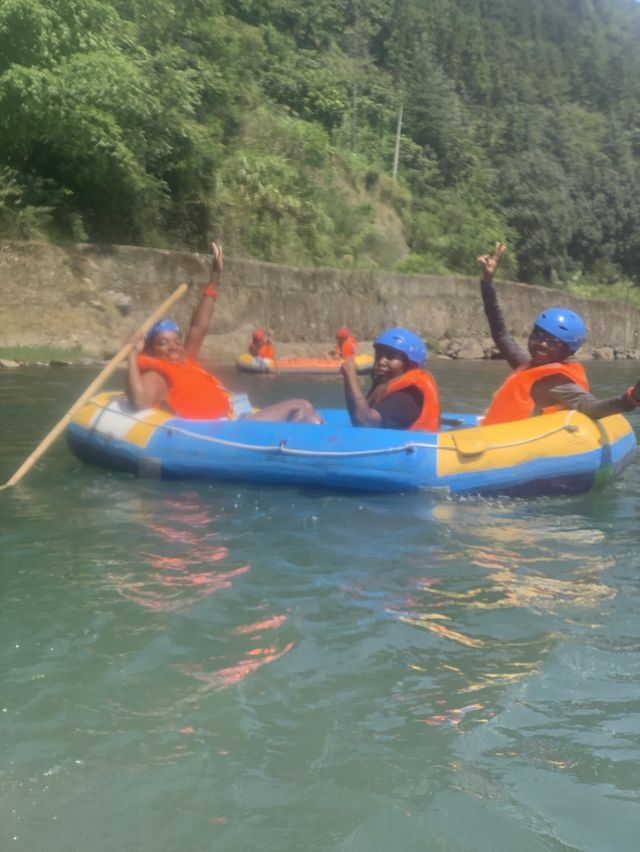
223,667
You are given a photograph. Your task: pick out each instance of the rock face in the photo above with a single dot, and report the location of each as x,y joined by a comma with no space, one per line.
92,296
463,348
604,353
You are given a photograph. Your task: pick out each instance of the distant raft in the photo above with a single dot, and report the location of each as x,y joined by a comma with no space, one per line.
247,363
561,453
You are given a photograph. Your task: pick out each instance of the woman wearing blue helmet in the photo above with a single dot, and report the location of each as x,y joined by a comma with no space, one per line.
164,371
545,379
403,395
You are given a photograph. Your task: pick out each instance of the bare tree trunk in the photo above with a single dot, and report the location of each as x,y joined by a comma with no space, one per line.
396,150
354,111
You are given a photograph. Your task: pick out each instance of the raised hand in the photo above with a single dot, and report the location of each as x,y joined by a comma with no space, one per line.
489,262
137,341
348,369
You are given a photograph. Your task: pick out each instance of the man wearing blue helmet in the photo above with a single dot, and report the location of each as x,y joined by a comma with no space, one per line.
403,395
545,379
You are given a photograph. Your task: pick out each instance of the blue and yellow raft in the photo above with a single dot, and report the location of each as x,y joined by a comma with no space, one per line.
557,453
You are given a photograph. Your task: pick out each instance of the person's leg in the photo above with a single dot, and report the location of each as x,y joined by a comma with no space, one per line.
290,410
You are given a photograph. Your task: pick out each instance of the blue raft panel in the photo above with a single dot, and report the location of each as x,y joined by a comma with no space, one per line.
559,453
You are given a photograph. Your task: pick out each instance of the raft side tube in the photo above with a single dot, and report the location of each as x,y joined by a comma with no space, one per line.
556,453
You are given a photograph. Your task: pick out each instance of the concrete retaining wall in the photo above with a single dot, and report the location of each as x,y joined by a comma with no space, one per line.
91,296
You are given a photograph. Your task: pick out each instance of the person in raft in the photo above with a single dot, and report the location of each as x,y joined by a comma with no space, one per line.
403,395
545,379
261,345
346,344
164,371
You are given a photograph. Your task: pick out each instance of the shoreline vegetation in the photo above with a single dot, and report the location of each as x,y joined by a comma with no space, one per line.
622,291
391,137
46,356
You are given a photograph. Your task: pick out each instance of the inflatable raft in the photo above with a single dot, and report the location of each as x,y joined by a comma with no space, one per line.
320,366
562,453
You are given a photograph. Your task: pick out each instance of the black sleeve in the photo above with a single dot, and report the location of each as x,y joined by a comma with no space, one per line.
399,410
556,390
507,346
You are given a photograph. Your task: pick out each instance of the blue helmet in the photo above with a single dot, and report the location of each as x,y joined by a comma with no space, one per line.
404,341
163,325
564,324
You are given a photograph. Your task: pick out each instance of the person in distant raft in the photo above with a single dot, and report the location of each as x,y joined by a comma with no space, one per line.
346,344
164,371
261,345
403,395
545,379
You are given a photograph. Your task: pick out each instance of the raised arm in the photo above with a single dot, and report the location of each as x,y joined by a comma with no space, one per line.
505,343
204,309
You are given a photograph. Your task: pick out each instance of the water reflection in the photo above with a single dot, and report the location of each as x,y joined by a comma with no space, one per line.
229,675
179,562
494,607
181,568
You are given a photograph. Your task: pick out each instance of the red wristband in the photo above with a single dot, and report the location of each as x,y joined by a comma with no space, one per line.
210,291
629,395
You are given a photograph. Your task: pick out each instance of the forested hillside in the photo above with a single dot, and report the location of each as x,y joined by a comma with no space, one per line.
299,131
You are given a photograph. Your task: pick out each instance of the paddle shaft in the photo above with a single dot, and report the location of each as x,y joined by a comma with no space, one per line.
95,385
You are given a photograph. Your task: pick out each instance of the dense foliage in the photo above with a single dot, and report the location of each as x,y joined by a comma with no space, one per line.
272,123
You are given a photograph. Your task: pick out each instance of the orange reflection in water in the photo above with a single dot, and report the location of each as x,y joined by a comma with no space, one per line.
452,717
197,555
267,624
254,658
182,560
152,592
230,675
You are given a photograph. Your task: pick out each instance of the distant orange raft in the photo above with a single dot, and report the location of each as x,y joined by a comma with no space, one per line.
321,366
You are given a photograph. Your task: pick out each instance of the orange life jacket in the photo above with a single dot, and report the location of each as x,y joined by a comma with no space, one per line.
429,418
193,392
513,400
348,347
266,351
261,350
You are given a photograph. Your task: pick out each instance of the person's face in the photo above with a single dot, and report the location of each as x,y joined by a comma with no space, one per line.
166,345
388,364
544,348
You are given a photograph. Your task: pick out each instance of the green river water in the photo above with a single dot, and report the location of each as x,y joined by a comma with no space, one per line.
215,668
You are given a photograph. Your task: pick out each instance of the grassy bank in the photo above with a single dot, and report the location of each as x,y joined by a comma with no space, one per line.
622,291
44,355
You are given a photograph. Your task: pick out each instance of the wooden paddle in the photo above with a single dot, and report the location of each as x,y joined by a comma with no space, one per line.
95,385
